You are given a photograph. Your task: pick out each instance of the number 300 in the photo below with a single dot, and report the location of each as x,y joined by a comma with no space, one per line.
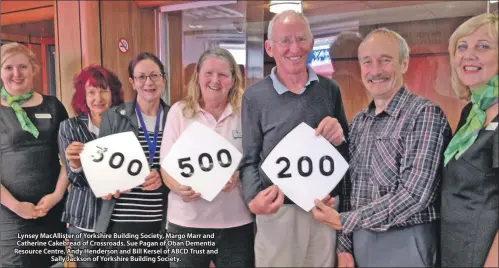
121,157
182,162
308,171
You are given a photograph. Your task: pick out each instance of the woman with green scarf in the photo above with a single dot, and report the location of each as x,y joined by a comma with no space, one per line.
470,186
32,180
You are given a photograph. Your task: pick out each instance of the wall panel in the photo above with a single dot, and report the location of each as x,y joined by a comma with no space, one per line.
37,80
24,16
176,67
13,6
123,19
90,33
87,32
68,49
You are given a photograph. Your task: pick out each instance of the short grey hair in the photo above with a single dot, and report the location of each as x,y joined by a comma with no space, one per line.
287,13
403,47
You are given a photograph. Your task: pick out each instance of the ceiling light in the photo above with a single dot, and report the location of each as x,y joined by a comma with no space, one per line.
493,1
278,6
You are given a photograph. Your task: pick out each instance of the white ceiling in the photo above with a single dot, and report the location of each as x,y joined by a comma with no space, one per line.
227,25
405,13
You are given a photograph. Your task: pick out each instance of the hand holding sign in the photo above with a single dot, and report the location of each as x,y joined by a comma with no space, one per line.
331,130
186,193
325,213
73,154
267,201
109,166
305,166
203,160
232,183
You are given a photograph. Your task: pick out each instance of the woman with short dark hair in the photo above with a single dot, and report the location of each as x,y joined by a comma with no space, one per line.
142,210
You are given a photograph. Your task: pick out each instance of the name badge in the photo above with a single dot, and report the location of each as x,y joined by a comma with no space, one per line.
237,134
491,126
43,116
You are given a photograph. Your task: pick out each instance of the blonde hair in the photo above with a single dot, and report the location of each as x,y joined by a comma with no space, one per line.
193,98
468,27
11,49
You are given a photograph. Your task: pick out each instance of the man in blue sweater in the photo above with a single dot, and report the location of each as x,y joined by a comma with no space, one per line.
292,94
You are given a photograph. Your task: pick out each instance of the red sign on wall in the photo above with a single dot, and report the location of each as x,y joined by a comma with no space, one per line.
123,45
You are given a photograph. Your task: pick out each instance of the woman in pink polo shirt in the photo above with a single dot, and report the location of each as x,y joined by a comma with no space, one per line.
214,100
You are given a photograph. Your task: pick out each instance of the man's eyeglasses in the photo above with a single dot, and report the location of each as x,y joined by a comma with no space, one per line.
286,42
142,78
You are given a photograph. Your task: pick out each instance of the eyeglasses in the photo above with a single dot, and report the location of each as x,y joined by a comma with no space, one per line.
142,78
286,42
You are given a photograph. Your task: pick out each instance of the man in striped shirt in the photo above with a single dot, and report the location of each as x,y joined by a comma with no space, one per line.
396,147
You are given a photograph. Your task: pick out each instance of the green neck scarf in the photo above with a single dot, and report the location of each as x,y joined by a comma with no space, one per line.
482,98
15,103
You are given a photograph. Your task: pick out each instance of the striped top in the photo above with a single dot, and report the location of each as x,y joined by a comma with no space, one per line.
81,204
139,205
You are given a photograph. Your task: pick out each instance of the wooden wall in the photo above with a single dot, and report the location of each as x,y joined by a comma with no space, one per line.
17,19
88,32
68,49
14,12
123,19
38,80
175,39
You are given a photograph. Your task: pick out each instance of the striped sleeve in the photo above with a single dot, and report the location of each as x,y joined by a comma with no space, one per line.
67,134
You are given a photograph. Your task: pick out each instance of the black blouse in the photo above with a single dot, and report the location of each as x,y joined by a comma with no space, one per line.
470,201
29,166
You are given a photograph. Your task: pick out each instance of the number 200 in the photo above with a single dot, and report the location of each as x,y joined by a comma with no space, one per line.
282,174
183,165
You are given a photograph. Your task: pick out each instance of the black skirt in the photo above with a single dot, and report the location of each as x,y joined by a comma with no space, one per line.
142,249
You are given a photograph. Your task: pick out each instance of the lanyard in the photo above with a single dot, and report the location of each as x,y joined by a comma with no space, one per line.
150,146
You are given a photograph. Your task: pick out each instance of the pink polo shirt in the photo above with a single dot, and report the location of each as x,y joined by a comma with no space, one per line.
227,209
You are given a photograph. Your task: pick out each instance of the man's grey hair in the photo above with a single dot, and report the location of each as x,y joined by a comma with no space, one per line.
287,13
403,47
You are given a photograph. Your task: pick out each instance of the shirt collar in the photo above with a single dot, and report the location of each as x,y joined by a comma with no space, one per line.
91,127
394,106
281,88
226,113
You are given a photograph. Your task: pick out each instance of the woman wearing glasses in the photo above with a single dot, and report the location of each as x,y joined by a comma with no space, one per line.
142,210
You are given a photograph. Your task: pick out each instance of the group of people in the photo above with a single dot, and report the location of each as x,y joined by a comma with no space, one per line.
414,195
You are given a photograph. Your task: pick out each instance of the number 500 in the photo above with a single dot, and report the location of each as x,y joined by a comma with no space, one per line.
182,162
